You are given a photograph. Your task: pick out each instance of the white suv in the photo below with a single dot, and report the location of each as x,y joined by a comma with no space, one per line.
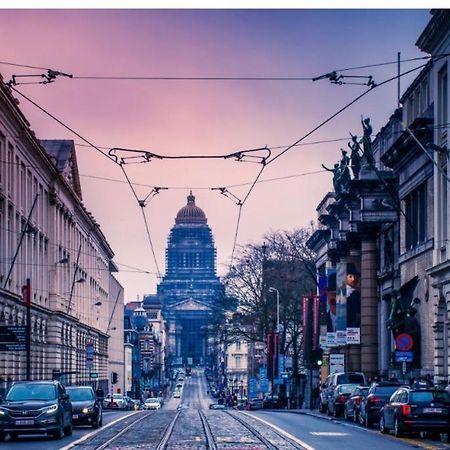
117,401
334,380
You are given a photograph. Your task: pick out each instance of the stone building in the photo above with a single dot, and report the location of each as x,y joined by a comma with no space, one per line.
391,221
48,237
190,292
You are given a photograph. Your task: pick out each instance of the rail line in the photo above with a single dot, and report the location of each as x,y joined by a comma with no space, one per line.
210,441
164,442
263,439
121,432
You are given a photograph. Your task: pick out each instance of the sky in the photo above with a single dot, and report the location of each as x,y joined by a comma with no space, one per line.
203,116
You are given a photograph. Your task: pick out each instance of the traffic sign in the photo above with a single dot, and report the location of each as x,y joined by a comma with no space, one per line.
94,375
404,342
403,356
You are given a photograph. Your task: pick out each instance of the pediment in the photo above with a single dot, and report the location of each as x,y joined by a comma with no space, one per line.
190,305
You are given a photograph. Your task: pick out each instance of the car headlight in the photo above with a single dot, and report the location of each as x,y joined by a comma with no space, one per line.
2,412
89,410
52,409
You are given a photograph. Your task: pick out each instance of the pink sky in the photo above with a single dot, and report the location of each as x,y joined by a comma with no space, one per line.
204,117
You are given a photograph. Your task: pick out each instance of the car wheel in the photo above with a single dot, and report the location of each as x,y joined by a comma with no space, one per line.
397,430
68,430
383,428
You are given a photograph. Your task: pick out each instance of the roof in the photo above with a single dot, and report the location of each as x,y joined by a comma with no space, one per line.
190,213
62,152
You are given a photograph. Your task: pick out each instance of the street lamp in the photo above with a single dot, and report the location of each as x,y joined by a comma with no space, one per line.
272,289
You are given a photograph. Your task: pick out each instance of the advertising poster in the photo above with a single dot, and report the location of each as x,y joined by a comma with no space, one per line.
348,302
331,300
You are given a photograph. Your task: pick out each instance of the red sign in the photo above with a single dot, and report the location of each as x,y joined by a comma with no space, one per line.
404,342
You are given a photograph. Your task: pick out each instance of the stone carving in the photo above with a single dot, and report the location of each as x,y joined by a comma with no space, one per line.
367,142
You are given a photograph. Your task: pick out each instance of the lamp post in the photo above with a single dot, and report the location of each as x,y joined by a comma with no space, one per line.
272,289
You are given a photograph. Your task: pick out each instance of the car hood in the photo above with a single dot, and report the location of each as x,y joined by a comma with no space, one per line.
79,405
27,404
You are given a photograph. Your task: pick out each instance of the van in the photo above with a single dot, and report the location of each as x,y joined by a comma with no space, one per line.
334,380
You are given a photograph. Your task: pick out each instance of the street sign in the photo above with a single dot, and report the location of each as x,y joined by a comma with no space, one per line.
285,375
13,338
403,356
94,375
404,342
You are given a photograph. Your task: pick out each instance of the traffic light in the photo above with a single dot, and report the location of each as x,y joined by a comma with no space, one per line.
114,377
317,358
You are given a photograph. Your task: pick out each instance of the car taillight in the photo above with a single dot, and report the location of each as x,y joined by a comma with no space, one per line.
374,400
342,399
358,400
406,409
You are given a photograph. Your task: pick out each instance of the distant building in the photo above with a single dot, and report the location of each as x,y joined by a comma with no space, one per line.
190,292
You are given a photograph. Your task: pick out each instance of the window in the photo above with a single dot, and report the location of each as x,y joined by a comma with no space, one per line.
442,106
238,362
238,345
416,217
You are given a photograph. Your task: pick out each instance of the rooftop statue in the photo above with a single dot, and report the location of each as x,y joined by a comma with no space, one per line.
355,156
367,142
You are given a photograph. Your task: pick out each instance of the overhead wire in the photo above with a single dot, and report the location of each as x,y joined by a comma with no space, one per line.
141,205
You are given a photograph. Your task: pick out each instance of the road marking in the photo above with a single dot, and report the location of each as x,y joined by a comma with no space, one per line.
328,433
283,432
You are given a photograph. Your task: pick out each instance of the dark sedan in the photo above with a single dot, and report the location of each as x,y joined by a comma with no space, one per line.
410,410
86,407
353,403
337,401
377,397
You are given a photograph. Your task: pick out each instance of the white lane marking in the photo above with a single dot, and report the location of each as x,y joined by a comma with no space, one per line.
328,433
89,435
282,432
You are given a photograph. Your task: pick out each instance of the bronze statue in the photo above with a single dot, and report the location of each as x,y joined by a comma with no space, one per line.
336,176
355,156
367,142
344,172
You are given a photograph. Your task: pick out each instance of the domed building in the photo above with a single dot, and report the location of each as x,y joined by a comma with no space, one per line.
190,292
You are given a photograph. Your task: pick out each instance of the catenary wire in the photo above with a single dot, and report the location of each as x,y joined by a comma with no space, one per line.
61,123
144,217
342,110
345,69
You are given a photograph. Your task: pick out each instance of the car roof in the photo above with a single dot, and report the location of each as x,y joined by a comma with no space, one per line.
79,387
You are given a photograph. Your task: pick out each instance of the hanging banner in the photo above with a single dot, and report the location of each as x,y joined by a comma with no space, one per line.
316,319
331,299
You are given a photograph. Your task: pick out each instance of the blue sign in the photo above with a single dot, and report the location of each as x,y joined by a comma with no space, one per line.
252,387
263,372
264,385
280,363
403,356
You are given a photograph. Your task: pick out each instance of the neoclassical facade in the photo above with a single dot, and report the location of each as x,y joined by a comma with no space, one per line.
190,292
48,237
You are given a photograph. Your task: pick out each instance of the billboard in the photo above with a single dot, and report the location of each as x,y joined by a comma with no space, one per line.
344,303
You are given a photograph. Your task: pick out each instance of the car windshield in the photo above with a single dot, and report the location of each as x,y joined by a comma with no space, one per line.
80,394
152,400
430,396
120,396
347,388
30,391
354,378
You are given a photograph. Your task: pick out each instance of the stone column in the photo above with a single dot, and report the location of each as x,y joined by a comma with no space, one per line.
369,307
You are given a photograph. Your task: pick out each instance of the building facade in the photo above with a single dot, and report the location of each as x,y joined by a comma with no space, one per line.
190,292
48,237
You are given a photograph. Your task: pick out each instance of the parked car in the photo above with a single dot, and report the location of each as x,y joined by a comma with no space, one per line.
31,407
353,403
176,394
255,403
336,402
377,396
334,380
217,406
152,403
86,407
271,402
114,401
416,410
